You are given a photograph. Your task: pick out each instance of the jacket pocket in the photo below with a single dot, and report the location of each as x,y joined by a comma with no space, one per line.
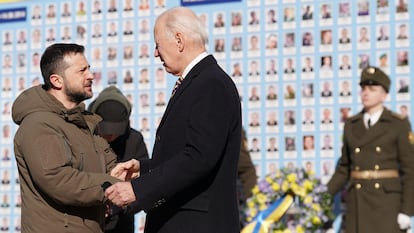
392,187
69,155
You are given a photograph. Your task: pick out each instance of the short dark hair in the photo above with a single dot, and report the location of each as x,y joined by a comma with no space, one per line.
52,60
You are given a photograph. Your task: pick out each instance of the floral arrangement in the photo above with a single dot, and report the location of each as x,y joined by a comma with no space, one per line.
312,206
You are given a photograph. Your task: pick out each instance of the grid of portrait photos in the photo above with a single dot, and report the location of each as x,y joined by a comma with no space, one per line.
296,64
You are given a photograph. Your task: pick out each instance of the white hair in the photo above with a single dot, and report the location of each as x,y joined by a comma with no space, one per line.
181,19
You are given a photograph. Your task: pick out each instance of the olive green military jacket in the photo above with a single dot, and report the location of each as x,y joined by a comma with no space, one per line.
372,205
61,165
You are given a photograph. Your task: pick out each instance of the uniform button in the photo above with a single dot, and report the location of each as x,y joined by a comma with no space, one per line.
377,185
377,167
357,150
357,168
358,186
378,149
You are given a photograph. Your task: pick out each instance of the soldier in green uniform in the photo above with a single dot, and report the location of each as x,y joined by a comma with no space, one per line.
376,167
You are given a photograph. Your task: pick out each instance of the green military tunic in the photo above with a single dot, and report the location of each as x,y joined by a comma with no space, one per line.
372,205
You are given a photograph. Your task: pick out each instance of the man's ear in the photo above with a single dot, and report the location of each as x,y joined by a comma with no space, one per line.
56,81
180,41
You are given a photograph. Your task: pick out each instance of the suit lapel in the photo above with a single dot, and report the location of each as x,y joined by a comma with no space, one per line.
194,72
173,100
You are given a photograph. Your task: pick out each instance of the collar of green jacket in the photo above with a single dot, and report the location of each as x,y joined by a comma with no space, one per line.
36,99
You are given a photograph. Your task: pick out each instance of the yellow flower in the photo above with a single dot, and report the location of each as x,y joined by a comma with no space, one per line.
253,213
281,182
269,179
285,186
316,220
308,185
307,200
261,198
250,203
295,187
301,192
276,187
316,207
300,229
255,190
291,177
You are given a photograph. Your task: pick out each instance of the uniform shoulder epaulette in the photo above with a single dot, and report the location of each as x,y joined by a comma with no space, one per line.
398,116
411,137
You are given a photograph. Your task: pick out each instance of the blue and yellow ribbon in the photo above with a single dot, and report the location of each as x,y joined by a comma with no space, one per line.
273,213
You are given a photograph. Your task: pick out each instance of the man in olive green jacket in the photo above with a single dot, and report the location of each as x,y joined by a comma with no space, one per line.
377,163
61,163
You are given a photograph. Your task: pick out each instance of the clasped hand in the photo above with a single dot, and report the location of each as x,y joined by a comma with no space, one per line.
126,170
121,193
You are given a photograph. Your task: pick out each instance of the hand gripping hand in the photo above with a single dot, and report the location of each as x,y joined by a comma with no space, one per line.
126,170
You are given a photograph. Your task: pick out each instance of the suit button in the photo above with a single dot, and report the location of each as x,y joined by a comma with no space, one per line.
377,185
358,186
357,150
357,168
378,149
376,167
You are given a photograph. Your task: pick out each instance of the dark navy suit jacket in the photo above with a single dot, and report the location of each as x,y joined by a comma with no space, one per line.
189,184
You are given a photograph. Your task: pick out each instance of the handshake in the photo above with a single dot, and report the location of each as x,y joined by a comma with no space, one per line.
121,193
126,170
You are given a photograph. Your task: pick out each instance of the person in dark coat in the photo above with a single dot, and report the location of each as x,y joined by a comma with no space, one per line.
126,142
189,184
377,163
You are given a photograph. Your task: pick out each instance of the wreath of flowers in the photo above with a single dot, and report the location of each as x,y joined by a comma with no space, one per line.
311,210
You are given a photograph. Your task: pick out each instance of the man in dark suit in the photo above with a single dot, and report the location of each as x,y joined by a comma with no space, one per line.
377,163
189,184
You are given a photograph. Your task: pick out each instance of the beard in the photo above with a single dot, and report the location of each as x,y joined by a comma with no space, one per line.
77,96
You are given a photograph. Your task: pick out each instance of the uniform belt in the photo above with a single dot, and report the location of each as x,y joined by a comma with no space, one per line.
374,174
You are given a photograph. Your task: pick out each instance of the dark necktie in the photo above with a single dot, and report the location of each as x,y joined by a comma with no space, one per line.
177,84
369,123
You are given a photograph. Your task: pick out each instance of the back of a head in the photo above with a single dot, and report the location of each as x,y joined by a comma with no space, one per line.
182,19
52,60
